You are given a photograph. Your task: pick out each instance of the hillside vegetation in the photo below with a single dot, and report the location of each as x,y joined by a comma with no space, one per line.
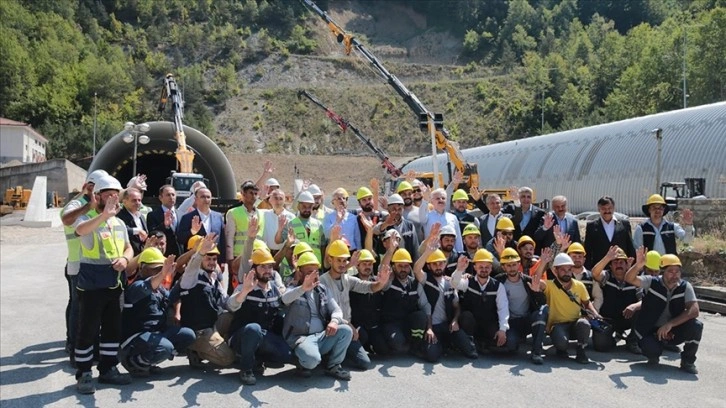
494,68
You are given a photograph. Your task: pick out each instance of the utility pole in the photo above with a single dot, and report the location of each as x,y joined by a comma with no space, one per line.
685,94
659,140
95,99
541,131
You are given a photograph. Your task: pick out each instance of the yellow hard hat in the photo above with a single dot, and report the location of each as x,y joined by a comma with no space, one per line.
401,256
366,255
151,255
525,239
363,192
307,258
652,260
338,249
460,195
576,248
482,255
470,229
509,255
196,240
403,186
262,257
301,247
669,260
260,244
436,256
505,224
655,199
621,254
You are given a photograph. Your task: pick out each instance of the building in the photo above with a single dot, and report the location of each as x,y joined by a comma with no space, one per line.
618,159
19,141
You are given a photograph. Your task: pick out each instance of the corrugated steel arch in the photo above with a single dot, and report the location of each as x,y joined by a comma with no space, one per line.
618,159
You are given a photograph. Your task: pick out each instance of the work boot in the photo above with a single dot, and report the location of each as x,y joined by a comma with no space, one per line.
653,361
690,368
247,377
85,383
633,348
303,372
258,369
581,357
671,347
337,371
563,354
112,376
194,360
537,359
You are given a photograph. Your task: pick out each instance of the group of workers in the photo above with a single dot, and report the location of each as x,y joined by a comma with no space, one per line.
414,272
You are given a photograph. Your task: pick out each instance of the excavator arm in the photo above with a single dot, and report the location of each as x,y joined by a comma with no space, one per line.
170,91
344,125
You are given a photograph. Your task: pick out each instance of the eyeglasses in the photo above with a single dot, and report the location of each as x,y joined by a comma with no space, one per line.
417,190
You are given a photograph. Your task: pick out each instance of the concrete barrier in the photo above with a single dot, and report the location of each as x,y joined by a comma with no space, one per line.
62,176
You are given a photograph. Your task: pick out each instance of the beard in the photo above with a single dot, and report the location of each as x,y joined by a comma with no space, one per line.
264,278
447,248
565,278
305,214
368,208
407,202
437,272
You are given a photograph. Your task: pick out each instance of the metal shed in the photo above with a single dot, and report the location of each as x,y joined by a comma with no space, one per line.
616,159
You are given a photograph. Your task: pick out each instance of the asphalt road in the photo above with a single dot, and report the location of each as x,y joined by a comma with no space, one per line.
34,370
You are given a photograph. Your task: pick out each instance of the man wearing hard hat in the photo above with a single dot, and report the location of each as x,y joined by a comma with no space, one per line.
669,311
396,221
320,210
305,226
410,210
657,233
459,203
577,253
105,253
368,209
147,338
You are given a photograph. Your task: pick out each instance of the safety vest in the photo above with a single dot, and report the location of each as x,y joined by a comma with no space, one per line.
200,304
588,280
72,240
365,308
312,238
616,297
667,235
262,308
399,300
481,303
109,241
433,291
241,219
654,303
148,314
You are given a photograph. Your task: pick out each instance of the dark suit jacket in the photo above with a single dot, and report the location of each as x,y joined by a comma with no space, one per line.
184,231
534,222
155,222
128,219
597,243
484,229
546,237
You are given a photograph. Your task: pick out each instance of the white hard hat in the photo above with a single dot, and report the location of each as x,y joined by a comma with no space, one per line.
272,182
306,197
95,175
417,183
447,230
395,199
136,182
314,190
107,183
563,259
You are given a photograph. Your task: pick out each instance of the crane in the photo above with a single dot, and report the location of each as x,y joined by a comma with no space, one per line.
344,125
427,120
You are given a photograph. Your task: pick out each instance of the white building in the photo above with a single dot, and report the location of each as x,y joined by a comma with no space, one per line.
19,141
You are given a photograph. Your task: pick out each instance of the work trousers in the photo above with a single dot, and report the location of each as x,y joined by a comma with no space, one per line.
689,333
484,331
534,324
71,309
605,340
562,333
444,338
99,310
411,330
373,340
252,343
151,348
313,346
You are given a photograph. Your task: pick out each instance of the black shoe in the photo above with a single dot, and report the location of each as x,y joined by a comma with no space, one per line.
581,357
194,360
653,361
690,368
671,347
537,359
247,377
303,372
562,353
633,348
85,384
258,369
112,376
338,372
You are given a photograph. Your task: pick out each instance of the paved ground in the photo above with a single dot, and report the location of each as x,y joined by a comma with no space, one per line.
34,370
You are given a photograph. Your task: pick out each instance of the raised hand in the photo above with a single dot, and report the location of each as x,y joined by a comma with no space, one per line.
687,216
306,184
366,222
290,237
340,213
462,263
435,230
640,256
548,221
514,193
252,227
196,225
310,281
151,242
167,219
336,232
500,242
426,192
475,193
111,207
169,266
268,168
612,253
547,255
281,221
354,259
457,178
207,244
410,176
384,273
249,282
375,185
383,201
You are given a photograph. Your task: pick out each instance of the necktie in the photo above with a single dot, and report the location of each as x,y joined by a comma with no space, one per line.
173,220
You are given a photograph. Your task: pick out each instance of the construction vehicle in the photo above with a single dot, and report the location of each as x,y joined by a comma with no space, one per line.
183,179
428,121
17,197
344,125
671,191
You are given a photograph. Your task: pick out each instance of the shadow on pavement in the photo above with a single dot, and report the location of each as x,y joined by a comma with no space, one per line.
653,375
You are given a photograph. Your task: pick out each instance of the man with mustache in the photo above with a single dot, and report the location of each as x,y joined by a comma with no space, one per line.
617,296
605,232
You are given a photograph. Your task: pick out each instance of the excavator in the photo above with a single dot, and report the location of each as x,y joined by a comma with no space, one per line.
428,121
183,179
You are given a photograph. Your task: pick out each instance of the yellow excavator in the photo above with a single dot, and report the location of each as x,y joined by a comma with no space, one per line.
428,121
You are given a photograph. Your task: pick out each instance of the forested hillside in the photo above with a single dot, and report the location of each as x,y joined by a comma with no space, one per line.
497,69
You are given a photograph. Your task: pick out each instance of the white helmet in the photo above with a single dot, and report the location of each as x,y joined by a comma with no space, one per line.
306,197
563,259
395,199
95,175
107,183
314,190
272,182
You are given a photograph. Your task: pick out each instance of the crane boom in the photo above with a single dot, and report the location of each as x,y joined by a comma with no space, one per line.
170,90
442,135
345,125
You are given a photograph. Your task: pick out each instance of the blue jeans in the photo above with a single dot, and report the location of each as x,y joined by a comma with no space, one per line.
252,341
310,350
357,356
150,348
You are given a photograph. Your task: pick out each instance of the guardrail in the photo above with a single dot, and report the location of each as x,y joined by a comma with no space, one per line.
711,299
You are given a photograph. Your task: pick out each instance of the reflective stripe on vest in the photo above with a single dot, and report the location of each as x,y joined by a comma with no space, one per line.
72,240
241,220
111,234
313,238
